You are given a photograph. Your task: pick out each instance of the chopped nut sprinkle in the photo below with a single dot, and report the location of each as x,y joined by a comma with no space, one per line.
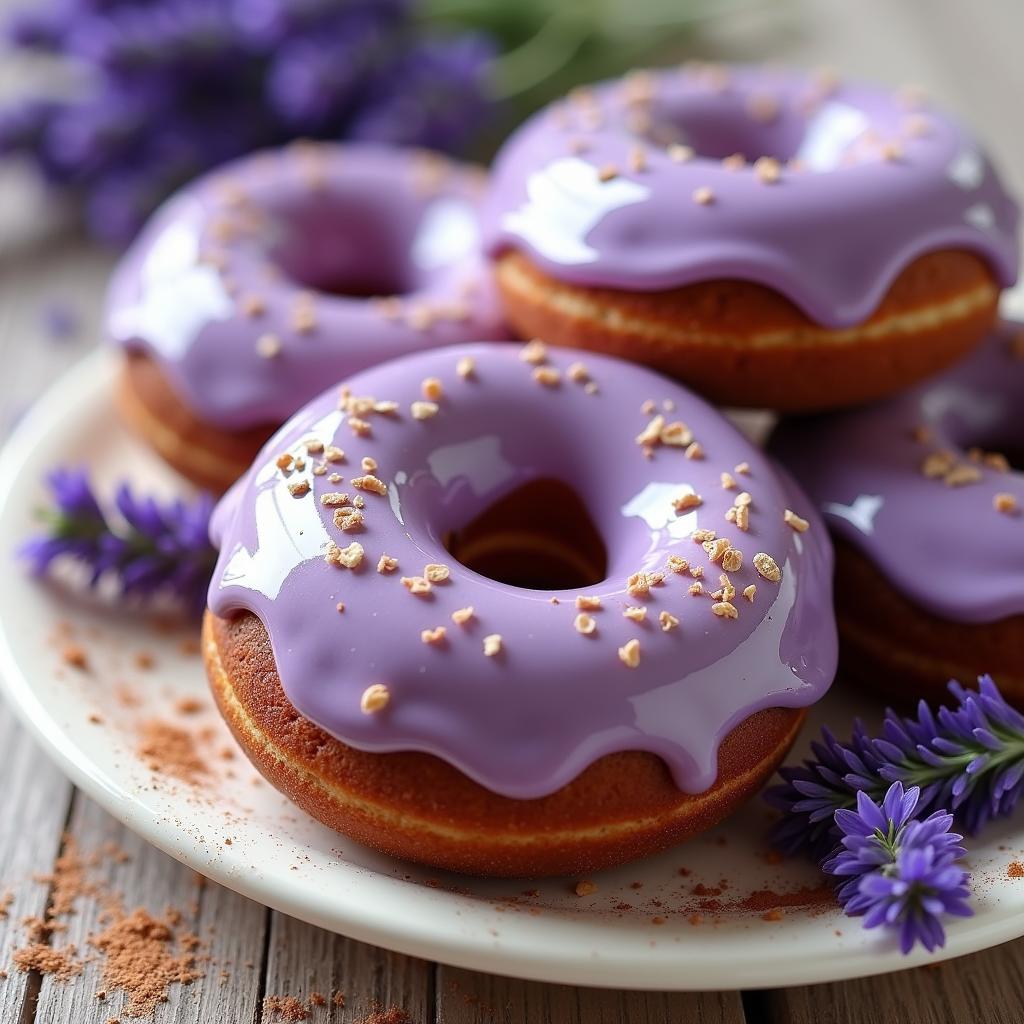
607,172
299,488
368,464
334,499
584,623
677,563
252,305
648,407
284,461
586,602
1005,503
359,426
435,572
938,464
417,585
359,501
424,410
725,610
891,152
696,588
703,196
687,501
795,522
741,516
635,612
734,162
386,564
578,373
640,583
333,454
268,346
961,476
375,698
493,645
767,567
433,636
728,482
348,519
667,621
694,450
335,478
680,154
676,435
462,615
743,469
371,483
732,560
700,536
716,549
432,389
466,367
637,159
651,434
697,571
548,376
534,352
768,170
750,591
743,498
350,557
629,654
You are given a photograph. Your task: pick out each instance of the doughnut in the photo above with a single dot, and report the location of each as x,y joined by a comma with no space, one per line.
924,494
772,238
502,612
258,282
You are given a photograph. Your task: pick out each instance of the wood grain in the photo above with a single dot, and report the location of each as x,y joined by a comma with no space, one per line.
986,988
36,798
304,961
467,997
230,927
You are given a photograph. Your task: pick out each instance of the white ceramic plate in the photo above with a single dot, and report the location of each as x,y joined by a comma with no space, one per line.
644,927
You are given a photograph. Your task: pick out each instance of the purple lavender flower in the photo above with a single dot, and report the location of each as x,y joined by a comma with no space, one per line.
173,87
900,872
968,758
151,547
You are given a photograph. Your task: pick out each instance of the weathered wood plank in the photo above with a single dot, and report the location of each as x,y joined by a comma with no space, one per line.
466,997
987,988
230,928
36,800
308,963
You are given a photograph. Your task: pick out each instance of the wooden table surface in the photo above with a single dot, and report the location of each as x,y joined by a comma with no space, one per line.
964,53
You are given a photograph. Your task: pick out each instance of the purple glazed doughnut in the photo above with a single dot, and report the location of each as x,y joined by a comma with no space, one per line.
770,237
924,495
538,617
264,278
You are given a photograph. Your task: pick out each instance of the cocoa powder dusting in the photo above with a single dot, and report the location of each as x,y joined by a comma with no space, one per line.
284,1008
143,957
57,963
169,750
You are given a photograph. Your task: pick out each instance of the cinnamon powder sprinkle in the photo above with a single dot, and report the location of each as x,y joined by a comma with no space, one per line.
169,750
59,964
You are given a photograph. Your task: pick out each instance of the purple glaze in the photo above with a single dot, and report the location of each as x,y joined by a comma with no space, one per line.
831,236
945,548
527,722
272,226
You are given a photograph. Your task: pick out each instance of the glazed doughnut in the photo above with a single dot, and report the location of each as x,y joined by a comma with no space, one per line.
256,283
540,616
773,239
925,494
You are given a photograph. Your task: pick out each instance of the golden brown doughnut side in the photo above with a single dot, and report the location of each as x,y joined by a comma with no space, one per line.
208,456
904,653
418,807
740,343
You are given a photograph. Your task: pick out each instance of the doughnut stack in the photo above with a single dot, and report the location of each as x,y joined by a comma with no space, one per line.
535,606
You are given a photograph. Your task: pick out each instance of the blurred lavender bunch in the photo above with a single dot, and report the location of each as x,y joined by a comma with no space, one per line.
163,89
149,547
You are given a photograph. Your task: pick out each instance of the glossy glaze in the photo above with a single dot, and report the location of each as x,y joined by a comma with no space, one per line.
876,180
945,547
252,251
528,721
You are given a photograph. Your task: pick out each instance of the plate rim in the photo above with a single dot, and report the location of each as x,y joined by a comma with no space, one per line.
413,933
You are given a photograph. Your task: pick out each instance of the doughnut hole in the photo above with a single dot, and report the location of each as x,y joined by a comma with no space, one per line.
364,246
539,537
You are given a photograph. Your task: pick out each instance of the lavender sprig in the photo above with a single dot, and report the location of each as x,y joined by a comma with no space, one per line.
968,759
900,872
150,547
